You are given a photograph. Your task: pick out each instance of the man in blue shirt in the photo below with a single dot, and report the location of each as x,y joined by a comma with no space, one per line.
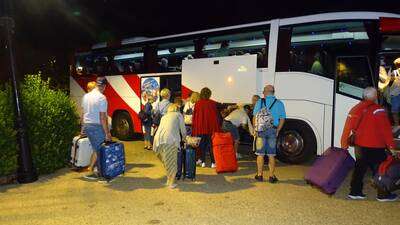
270,135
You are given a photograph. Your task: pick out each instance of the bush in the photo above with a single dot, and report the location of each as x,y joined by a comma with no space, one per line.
52,122
8,145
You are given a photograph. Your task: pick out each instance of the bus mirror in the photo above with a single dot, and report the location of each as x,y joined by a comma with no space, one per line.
389,25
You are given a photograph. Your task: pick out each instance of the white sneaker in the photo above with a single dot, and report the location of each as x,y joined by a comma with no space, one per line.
198,162
395,129
203,165
239,156
213,165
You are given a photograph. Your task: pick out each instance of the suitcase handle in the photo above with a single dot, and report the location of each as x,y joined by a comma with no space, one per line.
109,142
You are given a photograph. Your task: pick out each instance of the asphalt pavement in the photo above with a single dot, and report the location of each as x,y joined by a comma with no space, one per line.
140,197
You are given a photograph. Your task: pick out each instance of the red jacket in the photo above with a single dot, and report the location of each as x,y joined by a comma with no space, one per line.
205,118
374,129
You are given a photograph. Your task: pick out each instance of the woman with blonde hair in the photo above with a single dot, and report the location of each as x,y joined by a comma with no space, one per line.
167,141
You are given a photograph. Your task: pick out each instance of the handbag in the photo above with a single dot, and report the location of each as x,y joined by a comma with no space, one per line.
193,141
352,137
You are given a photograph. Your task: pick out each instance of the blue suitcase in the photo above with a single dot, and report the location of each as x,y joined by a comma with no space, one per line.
186,164
112,160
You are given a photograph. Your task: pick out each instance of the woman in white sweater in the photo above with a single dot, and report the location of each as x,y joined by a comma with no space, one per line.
167,141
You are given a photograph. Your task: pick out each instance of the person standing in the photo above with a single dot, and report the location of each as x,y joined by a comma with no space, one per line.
147,122
394,91
269,136
167,141
95,122
370,123
160,108
188,111
205,123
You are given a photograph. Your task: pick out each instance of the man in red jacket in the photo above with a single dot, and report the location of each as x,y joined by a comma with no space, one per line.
370,123
205,122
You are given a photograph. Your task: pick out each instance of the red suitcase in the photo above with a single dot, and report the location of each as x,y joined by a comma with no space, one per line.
224,153
330,169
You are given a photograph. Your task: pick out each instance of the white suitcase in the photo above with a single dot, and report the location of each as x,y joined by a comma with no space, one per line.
81,151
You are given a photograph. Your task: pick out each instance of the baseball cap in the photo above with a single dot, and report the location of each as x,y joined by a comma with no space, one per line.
101,81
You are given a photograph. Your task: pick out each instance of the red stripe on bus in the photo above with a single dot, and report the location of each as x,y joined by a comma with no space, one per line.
133,81
115,102
186,92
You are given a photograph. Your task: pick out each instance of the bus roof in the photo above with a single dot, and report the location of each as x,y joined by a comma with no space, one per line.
361,15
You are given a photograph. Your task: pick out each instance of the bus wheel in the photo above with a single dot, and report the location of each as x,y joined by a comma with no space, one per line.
296,143
122,126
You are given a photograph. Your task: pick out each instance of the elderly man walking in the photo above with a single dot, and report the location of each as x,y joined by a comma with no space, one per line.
269,136
370,124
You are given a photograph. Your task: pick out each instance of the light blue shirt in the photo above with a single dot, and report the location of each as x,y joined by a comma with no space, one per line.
162,106
277,110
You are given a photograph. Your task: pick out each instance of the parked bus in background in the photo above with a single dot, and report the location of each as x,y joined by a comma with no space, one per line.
319,65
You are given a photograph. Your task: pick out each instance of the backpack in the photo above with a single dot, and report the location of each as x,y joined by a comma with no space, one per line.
157,115
263,119
143,116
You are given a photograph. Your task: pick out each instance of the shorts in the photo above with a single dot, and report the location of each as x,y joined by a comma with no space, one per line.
269,143
96,135
228,126
395,101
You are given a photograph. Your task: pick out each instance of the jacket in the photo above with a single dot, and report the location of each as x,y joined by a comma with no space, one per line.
374,129
205,120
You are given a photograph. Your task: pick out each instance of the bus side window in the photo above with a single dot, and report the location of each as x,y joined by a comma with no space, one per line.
313,48
284,55
250,42
353,75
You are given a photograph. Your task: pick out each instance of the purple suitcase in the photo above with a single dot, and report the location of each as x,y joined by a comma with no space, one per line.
329,170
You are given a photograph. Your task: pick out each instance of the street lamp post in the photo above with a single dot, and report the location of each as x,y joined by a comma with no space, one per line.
26,171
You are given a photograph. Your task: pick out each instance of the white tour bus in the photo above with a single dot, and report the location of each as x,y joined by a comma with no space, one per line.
319,65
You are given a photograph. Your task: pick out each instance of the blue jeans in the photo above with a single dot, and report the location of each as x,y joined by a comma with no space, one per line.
205,146
96,135
228,126
269,142
395,101
147,132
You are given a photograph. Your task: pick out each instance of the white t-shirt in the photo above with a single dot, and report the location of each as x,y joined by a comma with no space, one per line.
93,103
239,117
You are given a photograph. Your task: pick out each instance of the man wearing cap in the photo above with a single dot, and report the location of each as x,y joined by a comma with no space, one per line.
94,121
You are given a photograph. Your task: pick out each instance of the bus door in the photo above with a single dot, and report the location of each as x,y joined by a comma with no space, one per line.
152,84
389,51
356,72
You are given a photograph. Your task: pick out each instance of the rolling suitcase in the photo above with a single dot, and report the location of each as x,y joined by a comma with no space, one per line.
329,170
81,152
112,160
186,164
224,152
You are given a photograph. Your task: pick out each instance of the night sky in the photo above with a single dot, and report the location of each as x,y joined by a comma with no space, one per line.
49,29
